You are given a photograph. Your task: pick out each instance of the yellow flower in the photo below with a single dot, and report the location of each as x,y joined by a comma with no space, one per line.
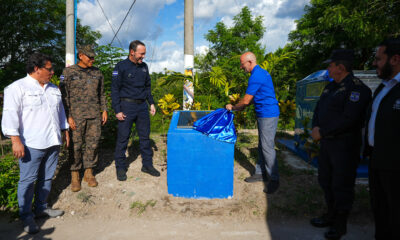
168,104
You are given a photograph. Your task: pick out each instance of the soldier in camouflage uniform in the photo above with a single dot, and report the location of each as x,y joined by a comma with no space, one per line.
82,87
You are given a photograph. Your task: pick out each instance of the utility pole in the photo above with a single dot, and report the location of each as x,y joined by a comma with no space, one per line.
188,88
70,33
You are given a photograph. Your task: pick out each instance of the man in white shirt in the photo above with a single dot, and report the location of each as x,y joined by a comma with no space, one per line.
33,117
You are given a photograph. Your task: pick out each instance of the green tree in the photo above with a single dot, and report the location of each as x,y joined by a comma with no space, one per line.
227,44
331,24
28,26
280,65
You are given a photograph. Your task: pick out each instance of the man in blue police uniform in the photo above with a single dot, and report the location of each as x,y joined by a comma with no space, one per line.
260,90
130,93
337,123
383,142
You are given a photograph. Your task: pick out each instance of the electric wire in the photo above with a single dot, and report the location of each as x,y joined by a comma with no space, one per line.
133,3
109,22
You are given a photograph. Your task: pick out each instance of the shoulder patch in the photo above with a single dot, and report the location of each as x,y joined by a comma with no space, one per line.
115,73
61,78
357,81
396,105
354,96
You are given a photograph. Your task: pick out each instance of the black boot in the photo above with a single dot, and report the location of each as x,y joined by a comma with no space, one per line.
325,220
339,226
151,170
322,221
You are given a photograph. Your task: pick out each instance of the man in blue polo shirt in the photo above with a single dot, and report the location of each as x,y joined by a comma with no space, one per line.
260,91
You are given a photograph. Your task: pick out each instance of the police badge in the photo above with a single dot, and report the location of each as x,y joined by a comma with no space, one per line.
354,96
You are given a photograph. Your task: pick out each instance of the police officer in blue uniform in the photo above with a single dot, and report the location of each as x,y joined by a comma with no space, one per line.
131,94
337,123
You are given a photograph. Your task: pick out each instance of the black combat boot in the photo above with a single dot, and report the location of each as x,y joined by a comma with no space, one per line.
325,220
339,226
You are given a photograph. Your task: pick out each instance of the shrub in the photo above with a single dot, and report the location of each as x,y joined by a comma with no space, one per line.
9,176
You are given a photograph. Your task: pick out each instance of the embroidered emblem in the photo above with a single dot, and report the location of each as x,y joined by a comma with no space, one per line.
144,70
354,96
326,91
115,73
396,104
61,78
129,75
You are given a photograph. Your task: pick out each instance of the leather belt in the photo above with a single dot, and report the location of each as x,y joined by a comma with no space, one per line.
133,100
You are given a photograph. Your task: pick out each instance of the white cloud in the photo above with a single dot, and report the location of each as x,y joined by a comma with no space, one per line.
278,15
169,55
140,23
228,21
277,20
201,50
206,9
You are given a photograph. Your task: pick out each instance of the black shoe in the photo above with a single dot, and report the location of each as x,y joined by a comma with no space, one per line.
323,221
121,174
151,170
339,226
256,178
334,233
272,186
30,226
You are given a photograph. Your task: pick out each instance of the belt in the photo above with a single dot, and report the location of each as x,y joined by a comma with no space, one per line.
133,100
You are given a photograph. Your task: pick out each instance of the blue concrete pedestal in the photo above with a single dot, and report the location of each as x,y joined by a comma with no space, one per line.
198,166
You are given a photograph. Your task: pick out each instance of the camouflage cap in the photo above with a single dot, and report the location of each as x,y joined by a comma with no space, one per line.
87,50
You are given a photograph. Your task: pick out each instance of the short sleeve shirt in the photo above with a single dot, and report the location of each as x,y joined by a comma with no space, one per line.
261,87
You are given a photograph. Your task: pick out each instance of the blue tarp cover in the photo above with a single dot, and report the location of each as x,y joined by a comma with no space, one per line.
218,125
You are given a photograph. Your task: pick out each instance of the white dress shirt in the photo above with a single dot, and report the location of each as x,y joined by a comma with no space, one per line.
34,113
375,105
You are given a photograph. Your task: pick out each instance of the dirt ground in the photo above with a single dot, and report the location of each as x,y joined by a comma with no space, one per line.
141,208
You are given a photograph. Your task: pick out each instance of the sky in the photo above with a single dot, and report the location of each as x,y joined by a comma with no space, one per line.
160,24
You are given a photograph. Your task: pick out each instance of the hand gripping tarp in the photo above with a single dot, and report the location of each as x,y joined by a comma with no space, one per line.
218,125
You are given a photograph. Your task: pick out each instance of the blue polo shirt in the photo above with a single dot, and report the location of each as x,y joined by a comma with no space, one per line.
261,87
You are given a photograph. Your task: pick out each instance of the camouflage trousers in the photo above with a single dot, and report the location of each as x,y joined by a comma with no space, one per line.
84,143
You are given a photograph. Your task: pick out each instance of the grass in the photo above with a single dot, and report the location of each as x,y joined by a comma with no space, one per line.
85,197
141,207
299,194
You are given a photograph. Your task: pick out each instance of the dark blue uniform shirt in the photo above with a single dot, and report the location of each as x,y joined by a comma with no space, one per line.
130,80
341,108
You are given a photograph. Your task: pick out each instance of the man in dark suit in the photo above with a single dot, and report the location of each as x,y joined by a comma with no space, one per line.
383,138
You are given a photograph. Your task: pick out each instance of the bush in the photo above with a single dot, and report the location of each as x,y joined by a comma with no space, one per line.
209,102
9,176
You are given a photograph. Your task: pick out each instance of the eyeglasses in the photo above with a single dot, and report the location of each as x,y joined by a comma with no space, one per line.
49,69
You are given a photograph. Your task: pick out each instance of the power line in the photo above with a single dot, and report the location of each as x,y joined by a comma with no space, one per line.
109,22
152,53
123,21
